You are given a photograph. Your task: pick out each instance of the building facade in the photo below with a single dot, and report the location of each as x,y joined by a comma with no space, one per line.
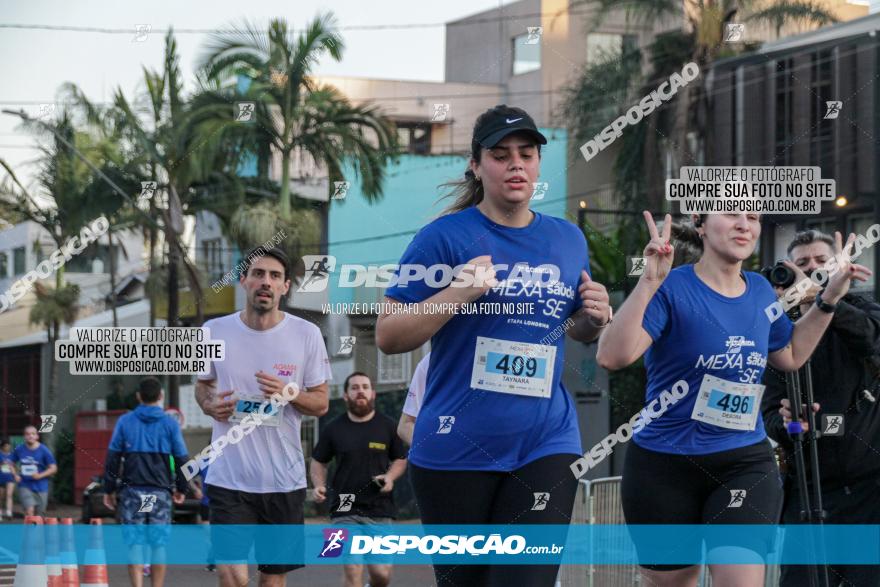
777,107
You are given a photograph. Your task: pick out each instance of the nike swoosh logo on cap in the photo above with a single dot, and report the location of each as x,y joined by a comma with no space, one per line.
509,121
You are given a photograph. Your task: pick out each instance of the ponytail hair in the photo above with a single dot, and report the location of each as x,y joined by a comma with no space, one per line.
467,192
687,242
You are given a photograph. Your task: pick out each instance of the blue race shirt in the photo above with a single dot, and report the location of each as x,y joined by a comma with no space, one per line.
471,427
33,461
697,332
6,475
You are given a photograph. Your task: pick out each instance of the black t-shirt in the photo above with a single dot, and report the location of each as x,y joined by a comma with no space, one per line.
362,450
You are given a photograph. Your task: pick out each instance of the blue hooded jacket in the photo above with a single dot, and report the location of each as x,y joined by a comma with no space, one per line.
142,442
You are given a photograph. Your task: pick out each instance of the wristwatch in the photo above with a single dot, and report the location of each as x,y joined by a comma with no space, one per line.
823,305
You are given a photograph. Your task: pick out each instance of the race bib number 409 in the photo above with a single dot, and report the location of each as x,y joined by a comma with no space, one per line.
519,368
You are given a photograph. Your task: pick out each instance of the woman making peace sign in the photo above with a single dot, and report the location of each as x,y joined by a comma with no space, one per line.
706,459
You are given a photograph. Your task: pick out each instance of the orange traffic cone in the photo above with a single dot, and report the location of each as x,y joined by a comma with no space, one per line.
31,568
95,558
53,558
69,570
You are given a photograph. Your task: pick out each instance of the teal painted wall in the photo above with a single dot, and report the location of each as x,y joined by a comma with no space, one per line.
377,234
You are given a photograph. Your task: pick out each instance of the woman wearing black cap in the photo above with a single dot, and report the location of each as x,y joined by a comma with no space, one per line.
497,431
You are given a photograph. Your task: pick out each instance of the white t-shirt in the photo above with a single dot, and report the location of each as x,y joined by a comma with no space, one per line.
417,388
270,458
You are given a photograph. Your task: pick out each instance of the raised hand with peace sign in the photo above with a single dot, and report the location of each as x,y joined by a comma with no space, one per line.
659,251
842,270
625,339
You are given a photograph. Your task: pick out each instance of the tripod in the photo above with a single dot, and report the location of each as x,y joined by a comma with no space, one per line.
811,506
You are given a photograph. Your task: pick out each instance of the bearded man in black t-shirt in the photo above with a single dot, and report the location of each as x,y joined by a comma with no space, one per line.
370,457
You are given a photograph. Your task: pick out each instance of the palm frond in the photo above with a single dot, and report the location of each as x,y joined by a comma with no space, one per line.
781,12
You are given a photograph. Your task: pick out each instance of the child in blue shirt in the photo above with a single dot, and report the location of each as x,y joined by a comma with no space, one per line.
7,476
36,464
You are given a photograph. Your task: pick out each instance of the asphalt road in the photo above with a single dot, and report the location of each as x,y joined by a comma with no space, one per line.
314,576
197,576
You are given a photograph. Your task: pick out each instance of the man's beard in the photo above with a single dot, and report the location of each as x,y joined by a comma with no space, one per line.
260,309
358,409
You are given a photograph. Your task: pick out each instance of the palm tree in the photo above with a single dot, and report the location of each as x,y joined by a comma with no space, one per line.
181,147
67,182
180,143
63,178
54,306
699,41
296,116
122,165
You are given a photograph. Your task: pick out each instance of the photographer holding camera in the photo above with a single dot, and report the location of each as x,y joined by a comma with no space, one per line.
845,382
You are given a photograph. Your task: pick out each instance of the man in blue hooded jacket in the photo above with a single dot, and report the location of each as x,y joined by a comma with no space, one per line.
143,442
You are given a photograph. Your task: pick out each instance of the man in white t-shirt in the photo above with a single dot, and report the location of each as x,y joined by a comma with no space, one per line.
259,477
413,400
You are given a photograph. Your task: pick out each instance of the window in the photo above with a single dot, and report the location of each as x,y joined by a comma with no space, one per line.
393,368
18,258
782,236
603,46
784,111
94,259
859,225
414,138
4,265
821,135
212,258
526,54
826,225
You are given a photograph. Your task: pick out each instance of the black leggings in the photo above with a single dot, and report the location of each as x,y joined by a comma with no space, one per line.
737,486
487,497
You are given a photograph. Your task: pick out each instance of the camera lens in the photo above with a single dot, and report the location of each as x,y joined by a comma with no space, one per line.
781,276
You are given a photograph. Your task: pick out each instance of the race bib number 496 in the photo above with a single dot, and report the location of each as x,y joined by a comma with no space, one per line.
728,404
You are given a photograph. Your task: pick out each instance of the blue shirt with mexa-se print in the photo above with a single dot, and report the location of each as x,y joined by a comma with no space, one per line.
467,427
697,332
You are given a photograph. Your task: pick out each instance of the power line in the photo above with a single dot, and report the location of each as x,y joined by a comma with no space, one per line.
377,99
725,88
362,27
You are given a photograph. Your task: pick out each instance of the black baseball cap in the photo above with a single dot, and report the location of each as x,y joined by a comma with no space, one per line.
502,120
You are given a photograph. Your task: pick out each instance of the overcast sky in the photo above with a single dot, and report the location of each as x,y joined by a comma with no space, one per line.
36,62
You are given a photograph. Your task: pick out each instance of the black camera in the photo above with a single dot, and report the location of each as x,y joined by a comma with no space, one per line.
779,275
